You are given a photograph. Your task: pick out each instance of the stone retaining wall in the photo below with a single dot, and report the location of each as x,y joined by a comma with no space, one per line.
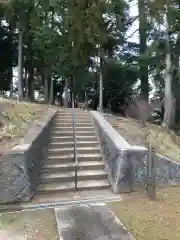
20,167
127,165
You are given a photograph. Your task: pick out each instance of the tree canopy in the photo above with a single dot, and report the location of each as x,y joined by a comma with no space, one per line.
51,42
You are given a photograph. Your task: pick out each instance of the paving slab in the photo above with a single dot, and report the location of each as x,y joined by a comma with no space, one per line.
89,222
29,225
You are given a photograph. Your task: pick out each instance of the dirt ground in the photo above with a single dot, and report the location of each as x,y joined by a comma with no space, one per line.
151,220
15,119
29,225
136,134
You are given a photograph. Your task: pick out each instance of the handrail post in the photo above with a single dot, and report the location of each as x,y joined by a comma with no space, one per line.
74,138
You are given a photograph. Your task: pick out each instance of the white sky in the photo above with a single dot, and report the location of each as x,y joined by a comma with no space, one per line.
134,13
135,36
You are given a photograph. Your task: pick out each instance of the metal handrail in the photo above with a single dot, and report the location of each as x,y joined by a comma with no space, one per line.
74,139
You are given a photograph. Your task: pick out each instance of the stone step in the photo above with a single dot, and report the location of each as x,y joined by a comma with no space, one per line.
70,120
61,133
70,158
70,176
59,152
70,138
77,114
93,184
70,110
71,144
70,124
86,138
70,166
70,116
70,133
61,158
80,150
84,128
64,117
55,187
70,128
62,125
61,138
70,186
62,128
88,150
70,196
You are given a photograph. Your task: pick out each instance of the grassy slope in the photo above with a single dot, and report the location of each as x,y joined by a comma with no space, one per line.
165,143
15,119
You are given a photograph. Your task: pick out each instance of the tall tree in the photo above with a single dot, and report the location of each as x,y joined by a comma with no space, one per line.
143,47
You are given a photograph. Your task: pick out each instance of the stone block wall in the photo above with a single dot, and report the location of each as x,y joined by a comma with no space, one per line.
127,165
20,167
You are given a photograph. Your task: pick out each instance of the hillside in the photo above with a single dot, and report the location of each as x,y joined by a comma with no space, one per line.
14,120
165,143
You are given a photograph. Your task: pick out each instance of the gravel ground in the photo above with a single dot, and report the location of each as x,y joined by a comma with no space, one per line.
151,220
29,225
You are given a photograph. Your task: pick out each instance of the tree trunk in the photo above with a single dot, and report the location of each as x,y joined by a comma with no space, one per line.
60,99
26,84
95,98
46,93
50,82
30,83
86,100
11,89
52,91
175,77
46,90
10,70
66,93
168,101
20,65
109,106
73,96
11,82
30,70
101,87
143,46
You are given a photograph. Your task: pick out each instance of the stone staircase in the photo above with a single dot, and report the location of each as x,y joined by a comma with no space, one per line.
58,173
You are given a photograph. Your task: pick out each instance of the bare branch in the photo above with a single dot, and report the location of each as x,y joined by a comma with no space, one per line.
132,34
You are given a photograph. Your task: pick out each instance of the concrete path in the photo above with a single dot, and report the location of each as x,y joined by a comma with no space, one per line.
89,222
84,222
